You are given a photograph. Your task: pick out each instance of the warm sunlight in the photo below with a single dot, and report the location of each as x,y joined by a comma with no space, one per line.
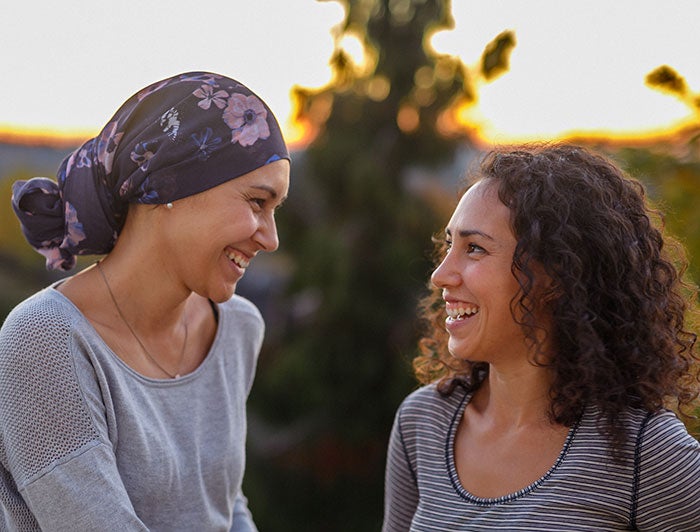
57,138
578,69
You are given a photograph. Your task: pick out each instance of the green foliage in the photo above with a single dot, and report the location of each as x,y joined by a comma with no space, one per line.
11,239
673,182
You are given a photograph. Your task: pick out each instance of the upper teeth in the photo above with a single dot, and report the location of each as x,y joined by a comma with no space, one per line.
240,260
467,310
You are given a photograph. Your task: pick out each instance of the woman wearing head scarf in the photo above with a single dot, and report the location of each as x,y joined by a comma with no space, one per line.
559,332
123,388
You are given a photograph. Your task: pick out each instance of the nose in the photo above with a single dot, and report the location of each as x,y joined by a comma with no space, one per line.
445,275
266,236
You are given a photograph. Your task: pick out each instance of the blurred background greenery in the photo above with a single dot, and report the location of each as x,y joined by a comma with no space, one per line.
378,178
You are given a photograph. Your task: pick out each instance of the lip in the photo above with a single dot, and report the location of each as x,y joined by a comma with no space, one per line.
235,272
452,302
237,251
453,324
238,270
449,298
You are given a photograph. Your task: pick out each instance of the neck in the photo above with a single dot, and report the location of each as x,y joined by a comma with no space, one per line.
146,291
516,397
152,358
141,276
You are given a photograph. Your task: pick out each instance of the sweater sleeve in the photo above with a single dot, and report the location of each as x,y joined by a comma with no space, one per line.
400,487
669,477
59,472
242,519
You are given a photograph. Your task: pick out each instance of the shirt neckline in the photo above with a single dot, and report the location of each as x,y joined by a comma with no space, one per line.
491,501
149,380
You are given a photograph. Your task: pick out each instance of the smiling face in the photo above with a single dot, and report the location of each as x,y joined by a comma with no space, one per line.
477,282
209,239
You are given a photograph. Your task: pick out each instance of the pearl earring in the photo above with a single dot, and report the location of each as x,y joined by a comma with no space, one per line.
169,205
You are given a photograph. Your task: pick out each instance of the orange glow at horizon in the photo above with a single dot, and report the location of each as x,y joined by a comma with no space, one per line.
46,136
298,134
465,119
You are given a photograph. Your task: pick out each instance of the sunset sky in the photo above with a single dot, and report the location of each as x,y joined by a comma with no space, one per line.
577,66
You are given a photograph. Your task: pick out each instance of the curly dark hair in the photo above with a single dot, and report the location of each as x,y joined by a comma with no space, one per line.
619,304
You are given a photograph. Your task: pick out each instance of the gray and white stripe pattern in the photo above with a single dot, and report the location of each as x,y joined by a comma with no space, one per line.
585,489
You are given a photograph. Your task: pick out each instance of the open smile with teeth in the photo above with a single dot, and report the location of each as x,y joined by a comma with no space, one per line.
238,259
461,312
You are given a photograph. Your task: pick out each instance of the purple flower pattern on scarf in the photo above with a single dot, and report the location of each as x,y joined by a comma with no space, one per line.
148,192
209,79
54,257
151,89
74,229
164,143
247,117
142,154
205,143
84,160
208,96
107,145
125,189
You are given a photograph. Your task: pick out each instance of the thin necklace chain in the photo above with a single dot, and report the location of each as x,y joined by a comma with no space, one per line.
150,357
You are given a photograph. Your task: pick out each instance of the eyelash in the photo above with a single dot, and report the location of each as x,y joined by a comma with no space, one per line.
474,248
470,248
259,203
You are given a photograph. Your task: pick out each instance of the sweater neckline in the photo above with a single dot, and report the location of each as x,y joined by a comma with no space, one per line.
126,367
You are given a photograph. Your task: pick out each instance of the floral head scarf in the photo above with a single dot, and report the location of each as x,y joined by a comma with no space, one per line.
175,138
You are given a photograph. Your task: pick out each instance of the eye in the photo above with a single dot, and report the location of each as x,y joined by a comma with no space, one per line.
258,203
474,248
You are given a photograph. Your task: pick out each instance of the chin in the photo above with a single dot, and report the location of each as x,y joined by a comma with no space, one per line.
223,295
465,355
456,350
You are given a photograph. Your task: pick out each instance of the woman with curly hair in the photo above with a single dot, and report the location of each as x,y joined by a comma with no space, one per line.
558,342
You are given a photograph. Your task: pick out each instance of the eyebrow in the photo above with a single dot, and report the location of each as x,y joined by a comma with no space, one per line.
466,233
271,191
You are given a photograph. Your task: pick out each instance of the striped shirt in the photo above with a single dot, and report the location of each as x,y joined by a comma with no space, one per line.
585,489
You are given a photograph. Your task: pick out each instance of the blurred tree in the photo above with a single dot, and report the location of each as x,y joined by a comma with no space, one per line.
667,79
674,172
359,235
673,181
671,172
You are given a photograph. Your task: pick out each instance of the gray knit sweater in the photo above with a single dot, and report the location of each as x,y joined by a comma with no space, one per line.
86,443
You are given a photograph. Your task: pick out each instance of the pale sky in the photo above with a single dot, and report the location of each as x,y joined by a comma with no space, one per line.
578,65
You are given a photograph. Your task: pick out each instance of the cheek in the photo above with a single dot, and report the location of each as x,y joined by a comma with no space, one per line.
236,230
